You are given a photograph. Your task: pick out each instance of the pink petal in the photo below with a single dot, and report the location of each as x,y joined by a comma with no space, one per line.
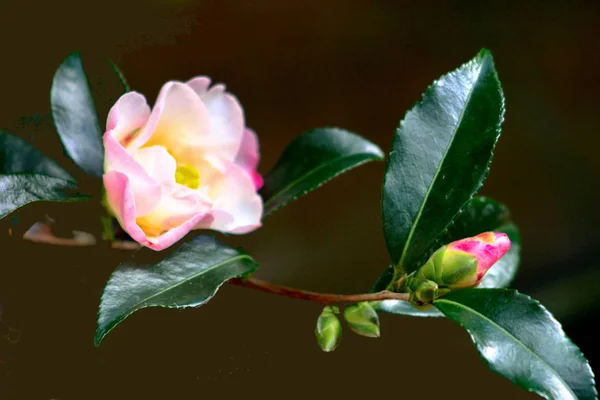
226,122
248,157
179,120
503,242
237,207
174,235
129,113
486,247
121,201
120,198
199,84
178,212
145,190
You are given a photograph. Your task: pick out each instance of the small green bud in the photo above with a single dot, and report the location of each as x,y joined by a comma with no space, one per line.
426,291
362,319
329,329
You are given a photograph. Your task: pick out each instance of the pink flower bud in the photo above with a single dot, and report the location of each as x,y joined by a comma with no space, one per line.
189,163
487,248
457,265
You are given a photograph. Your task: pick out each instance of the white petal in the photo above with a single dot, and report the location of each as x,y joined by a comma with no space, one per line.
178,121
237,207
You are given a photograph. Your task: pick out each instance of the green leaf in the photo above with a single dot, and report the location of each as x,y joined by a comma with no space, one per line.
440,158
399,307
75,116
188,277
18,156
17,190
120,75
384,280
312,159
481,214
521,340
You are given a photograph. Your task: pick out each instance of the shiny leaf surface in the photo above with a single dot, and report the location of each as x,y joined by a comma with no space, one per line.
312,159
521,340
18,156
17,190
75,116
399,307
440,157
188,277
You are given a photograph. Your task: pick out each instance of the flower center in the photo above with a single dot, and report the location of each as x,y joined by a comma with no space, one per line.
187,175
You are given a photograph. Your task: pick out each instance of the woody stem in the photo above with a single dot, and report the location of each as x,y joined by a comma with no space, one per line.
322,298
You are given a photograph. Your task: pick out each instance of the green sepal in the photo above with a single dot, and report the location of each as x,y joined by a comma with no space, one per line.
363,319
424,291
329,329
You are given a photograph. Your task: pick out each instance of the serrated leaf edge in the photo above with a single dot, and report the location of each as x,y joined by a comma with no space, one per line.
74,199
482,54
550,317
101,335
372,157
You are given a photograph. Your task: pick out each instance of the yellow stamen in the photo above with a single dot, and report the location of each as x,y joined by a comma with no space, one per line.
187,175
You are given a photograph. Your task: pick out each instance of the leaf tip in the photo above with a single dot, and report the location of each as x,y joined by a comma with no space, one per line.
99,336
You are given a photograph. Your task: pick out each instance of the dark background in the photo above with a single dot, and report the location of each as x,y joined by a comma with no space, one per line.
296,65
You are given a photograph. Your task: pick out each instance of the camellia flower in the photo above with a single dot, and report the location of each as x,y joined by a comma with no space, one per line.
457,265
189,163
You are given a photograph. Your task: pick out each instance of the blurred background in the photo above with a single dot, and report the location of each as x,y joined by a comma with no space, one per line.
295,65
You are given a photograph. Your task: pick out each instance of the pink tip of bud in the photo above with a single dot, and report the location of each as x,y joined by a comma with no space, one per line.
486,247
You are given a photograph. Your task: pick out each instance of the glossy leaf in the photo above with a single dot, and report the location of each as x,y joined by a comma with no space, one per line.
313,159
399,307
384,280
18,156
75,116
188,277
481,214
521,340
17,190
124,84
440,157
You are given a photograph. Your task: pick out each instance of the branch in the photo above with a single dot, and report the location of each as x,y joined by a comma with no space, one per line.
323,298
41,232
